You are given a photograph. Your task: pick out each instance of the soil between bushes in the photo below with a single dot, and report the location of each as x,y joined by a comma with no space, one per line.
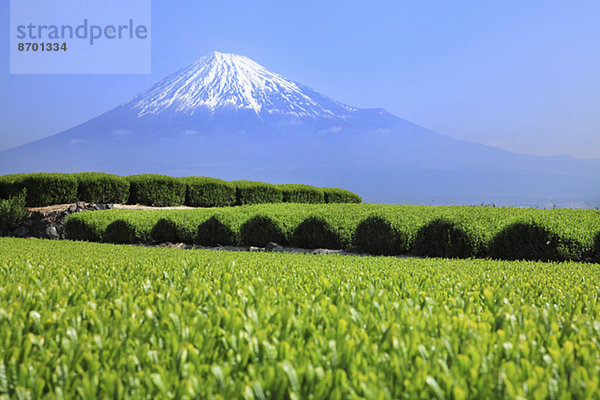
141,207
270,248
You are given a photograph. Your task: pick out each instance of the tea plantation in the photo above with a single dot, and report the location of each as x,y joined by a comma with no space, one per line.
89,320
43,189
434,231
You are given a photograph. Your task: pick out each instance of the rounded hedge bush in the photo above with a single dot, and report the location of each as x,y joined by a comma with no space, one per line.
77,229
156,190
8,187
337,195
260,230
214,231
43,189
250,192
165,231
531,240
98,187
315,232
444,238
208,192
376,235
122,232
293,193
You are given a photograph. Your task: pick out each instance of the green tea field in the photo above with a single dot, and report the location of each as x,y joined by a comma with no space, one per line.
431,231
90,320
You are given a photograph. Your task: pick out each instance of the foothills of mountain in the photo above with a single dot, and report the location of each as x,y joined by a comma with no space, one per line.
227,116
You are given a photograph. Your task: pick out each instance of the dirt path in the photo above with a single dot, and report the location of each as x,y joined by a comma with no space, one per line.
63,207
141,207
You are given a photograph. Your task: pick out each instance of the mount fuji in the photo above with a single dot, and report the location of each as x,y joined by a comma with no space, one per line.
228,117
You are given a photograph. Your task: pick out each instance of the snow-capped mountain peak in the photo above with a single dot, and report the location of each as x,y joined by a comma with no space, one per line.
226,81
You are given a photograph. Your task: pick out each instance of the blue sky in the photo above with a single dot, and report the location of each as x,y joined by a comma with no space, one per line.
523,76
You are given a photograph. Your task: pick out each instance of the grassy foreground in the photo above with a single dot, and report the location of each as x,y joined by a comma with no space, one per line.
91,320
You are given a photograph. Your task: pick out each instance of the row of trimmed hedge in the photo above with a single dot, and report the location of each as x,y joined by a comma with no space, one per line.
160,190
452,231
45,189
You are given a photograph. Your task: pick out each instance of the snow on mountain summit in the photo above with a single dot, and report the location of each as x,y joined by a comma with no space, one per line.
225,81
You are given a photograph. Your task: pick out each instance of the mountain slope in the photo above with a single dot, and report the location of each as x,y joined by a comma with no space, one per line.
222,81
229,117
